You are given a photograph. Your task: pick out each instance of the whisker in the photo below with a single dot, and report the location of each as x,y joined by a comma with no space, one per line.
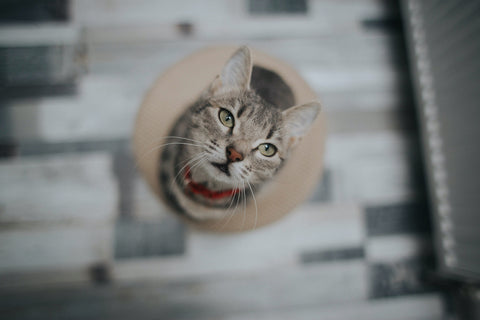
194,159
237,198
164,145
181,138
234,195
198,163
255,202
232,200
181,163
164,138
244,204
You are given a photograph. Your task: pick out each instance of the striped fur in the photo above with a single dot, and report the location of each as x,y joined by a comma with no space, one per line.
259,101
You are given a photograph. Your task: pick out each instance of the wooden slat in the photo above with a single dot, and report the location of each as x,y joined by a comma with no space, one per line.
60,188
261,291
120,20
55,247
373,168
364,78
311,227
425,307
56,212
396,248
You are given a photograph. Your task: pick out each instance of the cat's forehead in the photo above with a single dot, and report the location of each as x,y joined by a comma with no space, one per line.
250,108
254,118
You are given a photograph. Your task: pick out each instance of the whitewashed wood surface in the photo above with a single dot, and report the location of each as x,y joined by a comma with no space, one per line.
58,211
58,189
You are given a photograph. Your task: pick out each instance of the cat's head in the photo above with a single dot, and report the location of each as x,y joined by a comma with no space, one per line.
246,138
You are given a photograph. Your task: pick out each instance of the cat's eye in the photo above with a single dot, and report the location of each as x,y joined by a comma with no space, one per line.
226,118
267,149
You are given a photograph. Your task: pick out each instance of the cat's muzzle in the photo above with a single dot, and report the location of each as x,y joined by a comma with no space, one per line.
223,167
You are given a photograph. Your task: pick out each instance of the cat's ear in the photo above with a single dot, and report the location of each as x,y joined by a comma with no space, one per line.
235,75
237,72
298,120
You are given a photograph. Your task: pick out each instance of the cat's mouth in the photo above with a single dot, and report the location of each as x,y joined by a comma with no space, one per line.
222,167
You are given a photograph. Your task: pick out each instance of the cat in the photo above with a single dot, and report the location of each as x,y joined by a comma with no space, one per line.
230,142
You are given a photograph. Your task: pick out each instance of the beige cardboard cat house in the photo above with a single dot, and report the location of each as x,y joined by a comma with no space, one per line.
180,86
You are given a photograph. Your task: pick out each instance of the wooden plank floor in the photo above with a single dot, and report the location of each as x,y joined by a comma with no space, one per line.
360,247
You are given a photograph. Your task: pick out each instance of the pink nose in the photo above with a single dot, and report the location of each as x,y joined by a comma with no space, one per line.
233,155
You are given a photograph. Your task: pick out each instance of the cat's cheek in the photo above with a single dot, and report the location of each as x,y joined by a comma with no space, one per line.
235,171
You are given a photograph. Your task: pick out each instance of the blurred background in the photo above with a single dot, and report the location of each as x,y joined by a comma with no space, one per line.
391,231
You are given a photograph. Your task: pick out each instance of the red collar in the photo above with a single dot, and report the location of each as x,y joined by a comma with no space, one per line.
200,189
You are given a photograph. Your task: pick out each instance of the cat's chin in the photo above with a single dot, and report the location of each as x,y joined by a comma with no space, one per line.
222,167
224,175
218,174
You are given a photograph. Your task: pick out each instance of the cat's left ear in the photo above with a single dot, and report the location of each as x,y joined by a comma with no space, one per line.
298,120
235,75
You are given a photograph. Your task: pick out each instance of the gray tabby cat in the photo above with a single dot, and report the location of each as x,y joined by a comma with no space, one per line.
232,140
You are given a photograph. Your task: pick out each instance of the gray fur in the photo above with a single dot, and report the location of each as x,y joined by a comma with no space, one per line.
258,100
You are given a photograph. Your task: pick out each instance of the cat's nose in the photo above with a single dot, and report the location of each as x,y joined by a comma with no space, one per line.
233,155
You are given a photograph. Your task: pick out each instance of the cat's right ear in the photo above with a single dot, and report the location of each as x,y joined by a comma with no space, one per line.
235,76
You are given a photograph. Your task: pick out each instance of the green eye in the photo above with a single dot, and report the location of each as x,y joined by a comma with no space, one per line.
267,149
226,118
